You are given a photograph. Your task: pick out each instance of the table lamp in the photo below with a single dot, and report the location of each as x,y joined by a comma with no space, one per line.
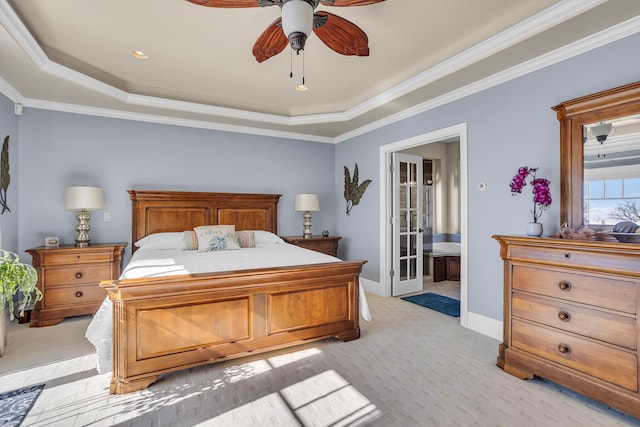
307,203
83,199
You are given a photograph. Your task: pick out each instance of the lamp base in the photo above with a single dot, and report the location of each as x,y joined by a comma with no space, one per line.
306,232
82,228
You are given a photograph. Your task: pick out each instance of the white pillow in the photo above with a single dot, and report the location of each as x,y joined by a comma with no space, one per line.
216,238
264,238
162,241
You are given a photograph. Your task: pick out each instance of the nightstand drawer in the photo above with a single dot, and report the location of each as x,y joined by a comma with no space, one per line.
604,362
76,257
80,274
602,291
73,295
597,324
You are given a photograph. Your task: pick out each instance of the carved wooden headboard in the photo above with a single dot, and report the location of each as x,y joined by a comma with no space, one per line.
165,211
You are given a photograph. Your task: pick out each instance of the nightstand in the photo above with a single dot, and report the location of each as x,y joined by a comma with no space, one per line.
68,278
326,245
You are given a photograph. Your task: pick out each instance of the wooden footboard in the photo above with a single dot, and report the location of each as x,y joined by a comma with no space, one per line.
167,324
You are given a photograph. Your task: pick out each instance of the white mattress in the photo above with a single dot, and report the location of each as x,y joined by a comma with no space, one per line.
155,263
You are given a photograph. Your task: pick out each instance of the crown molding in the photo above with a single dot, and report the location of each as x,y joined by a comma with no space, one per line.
167,120
594,41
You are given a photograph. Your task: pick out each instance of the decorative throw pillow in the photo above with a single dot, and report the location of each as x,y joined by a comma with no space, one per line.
216,238
246,239
190,240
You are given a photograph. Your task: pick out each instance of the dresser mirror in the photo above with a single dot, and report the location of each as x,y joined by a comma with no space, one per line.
600,158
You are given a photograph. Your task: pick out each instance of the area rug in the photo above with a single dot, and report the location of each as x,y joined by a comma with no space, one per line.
15,405
436,302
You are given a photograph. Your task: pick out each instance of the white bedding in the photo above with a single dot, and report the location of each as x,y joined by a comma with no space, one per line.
153,263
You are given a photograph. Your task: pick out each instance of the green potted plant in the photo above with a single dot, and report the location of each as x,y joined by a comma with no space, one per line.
15,277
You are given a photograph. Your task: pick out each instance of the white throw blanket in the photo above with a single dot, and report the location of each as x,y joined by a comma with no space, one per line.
154,263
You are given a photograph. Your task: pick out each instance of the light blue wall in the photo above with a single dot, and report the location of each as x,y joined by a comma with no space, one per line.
9,220
61,149
509,126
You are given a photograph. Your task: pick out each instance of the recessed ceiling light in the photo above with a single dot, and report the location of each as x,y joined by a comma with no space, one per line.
138,54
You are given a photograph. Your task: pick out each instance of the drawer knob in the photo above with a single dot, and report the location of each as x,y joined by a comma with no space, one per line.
78,275
567,255
564,285
564,349
79,294
564,316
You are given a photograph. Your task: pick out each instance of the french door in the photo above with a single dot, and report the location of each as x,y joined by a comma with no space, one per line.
407,218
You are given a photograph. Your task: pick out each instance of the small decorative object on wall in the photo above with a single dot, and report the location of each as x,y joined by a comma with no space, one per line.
353,191
541,195
5,178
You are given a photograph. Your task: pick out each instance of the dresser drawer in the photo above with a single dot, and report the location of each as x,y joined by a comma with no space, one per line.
75,257
80,274
73,295
598,324
579,258
615,366
602,291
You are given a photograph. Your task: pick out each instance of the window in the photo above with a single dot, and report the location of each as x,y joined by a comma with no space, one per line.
609,201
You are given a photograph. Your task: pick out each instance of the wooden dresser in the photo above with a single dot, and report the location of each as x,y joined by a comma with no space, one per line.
68,278
571,316
327,245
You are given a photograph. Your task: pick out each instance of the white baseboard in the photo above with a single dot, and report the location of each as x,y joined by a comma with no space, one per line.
485,325
476,322
373,287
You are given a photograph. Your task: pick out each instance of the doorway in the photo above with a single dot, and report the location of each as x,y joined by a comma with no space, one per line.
450,134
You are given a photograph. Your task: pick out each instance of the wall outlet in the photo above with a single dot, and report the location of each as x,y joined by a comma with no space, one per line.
107,216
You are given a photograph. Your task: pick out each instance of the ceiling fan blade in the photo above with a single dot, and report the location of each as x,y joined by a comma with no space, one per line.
341,36
271,42
226,3
343,3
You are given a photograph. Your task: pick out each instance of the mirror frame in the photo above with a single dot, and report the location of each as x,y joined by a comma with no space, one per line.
573,115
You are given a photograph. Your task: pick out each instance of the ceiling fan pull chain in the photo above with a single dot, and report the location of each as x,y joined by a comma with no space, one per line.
290,63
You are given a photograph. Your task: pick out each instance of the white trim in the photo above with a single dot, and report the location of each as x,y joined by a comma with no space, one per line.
460,131
543,20
594,41
168,120
485,325
372,287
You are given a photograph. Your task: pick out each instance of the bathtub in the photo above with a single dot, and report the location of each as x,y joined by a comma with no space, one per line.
446,248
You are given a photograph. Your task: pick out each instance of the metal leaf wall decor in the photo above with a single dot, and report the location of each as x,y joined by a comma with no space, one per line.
5,178
353,191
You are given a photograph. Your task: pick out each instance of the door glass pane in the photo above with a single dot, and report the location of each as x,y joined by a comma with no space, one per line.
403,245
413,178
403,220
403,173
413,245
412,268
414,196
403,269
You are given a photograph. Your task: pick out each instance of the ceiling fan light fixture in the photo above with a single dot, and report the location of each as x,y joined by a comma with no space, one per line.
297,22
602,131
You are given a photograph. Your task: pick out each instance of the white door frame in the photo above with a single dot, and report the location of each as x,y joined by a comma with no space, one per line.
459,131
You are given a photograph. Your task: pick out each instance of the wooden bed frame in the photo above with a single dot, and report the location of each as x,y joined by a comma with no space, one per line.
166,324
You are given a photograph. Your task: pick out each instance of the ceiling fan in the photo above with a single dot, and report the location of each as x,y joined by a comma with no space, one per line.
297,20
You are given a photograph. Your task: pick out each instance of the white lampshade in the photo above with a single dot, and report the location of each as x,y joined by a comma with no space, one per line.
307,202
82,197
297,16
